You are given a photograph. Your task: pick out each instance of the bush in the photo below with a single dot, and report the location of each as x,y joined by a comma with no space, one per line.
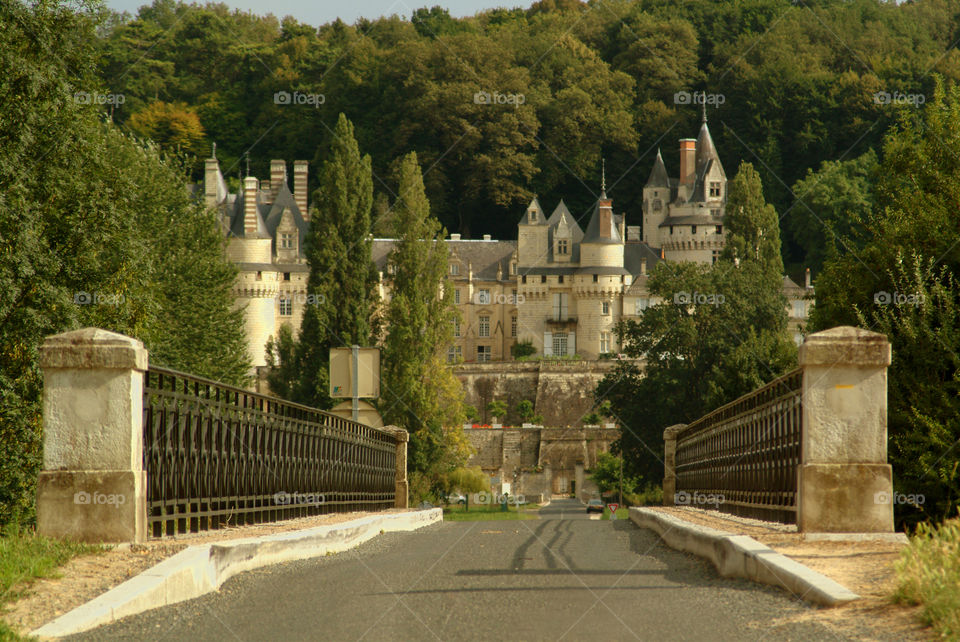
928,574
522,349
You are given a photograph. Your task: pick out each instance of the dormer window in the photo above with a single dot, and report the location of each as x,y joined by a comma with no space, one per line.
715,189
562,247
286,241
657,205
454,269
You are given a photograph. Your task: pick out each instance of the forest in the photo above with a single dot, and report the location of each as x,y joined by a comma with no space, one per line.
516,102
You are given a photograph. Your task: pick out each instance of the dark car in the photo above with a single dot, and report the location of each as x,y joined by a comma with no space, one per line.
594,505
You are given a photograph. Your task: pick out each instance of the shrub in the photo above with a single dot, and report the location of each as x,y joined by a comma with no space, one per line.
928,574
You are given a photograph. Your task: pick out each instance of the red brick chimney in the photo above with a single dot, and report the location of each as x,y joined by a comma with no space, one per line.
688,160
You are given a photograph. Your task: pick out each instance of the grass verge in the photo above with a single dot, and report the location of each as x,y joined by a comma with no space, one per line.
622,513
928,574
25,557
484,513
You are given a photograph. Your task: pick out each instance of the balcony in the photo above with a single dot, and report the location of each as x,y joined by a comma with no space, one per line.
562,323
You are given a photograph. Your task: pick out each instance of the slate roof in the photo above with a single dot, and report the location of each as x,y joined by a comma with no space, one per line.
592,233
484,256
269,216
658,176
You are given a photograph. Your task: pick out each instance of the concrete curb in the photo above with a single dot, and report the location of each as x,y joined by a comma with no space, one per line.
742,556
203,569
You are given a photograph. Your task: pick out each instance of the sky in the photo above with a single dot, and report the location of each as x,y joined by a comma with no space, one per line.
317,12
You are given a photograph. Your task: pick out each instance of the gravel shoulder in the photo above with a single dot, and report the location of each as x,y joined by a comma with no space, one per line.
89,576
866,568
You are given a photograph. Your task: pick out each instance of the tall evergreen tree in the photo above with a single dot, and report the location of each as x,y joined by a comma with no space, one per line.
752,226
342,275
420,392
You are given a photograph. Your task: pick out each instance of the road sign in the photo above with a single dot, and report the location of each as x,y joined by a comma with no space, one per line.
613,508
366,372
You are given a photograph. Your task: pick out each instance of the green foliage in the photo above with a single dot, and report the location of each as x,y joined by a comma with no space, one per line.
522,349
471,413
497,409
928,574
284,373
528,413
342,276
606,475
420,392
752,225
468,480
698,356
95,230
899,279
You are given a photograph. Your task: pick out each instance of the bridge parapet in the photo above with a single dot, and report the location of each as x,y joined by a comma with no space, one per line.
132,451
809,448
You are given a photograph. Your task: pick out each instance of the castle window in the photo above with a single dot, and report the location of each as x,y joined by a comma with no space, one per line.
483,353
657,204
642,304
456,297
596,278
560,344
560,306
484,329
513,268
454,354
604,342
286,241
483,297
715,213
456,328
605,309
671,229
719,229
714,189
286,276
513,326
716,255
693,229
286,307
543,278
560,279
523,279
454,269
259,276
562,246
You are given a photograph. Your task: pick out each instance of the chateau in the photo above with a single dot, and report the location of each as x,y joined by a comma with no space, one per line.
561,287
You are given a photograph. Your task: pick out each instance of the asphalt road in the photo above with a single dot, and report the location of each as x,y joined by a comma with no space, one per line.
562,577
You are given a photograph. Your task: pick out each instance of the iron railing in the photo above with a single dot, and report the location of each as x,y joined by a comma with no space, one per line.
218,456
743,457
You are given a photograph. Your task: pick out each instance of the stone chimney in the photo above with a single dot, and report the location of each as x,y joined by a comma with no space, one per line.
643,266
300,169
278,177
454,237
250,206
688,160
211,180
605,214
807,279
486,237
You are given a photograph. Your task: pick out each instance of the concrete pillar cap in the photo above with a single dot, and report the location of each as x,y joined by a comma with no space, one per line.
847,346
399,433
671,431
89,348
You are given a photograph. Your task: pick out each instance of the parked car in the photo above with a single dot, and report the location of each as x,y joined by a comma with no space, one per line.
456,498
594,506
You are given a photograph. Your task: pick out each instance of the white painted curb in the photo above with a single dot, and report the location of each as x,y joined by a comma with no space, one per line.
202,569
742,556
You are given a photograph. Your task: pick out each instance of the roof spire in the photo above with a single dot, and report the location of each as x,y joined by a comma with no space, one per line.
603,178
704,103
213,154
247,154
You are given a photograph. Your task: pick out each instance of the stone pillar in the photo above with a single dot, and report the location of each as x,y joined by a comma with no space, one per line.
670,463
93,485
845,484
402,487
548,481
578,476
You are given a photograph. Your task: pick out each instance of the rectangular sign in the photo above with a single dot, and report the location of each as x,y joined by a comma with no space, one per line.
368,373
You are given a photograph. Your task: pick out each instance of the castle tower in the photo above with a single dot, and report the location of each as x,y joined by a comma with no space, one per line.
656,198
533,237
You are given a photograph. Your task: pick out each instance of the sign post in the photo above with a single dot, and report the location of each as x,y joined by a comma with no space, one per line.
355,375
613,510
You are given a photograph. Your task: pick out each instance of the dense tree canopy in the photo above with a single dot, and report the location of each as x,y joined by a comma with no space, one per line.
568,82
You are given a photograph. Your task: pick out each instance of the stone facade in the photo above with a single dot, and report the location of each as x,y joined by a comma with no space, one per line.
540,461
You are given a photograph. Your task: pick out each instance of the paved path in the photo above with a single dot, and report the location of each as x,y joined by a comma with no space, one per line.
562,577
